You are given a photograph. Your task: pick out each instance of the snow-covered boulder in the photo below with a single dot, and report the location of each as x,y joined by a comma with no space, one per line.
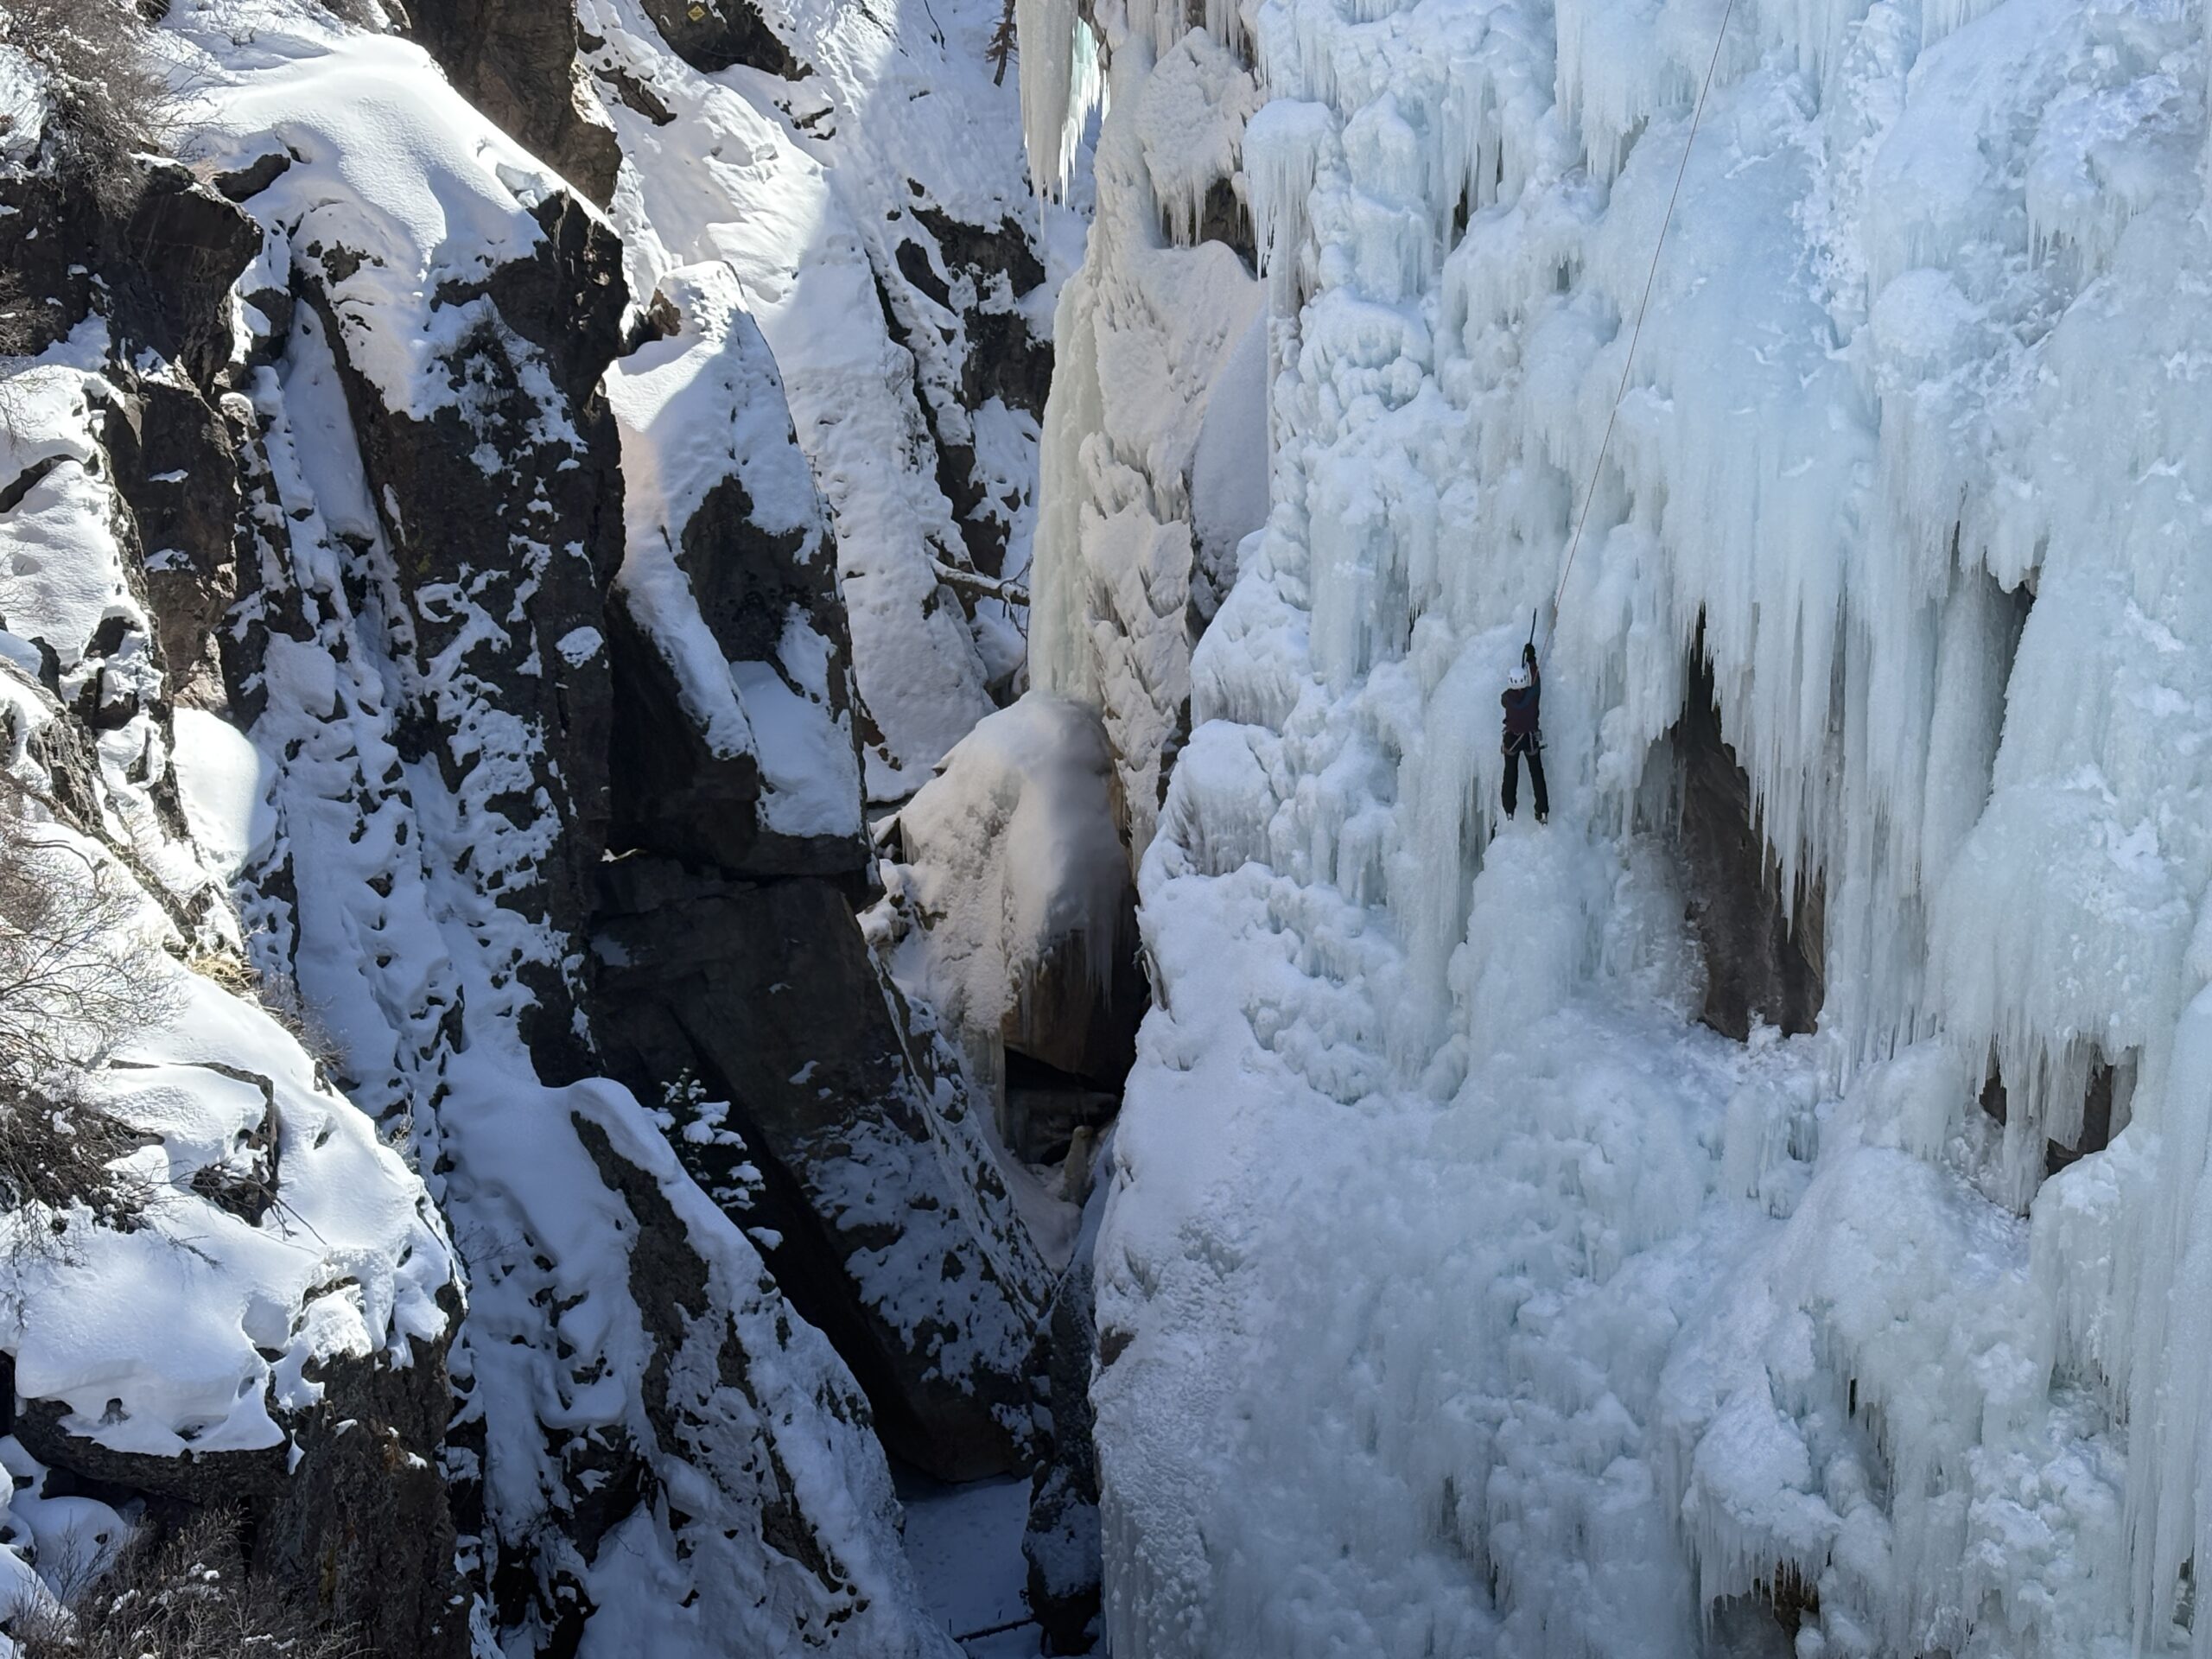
269,1332
1008,903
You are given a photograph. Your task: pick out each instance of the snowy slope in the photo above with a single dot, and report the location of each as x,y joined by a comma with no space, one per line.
270,1263
1456,1294
818,196
651,1453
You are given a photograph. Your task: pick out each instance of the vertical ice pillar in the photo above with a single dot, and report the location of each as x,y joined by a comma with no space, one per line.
1060,86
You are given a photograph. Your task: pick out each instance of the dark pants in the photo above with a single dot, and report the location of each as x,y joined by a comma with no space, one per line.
1512,790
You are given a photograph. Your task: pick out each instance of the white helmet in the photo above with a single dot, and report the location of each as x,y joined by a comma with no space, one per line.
1518,679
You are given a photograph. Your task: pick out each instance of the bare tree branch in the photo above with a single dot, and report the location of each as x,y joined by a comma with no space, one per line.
78,977
1004,39
189,1596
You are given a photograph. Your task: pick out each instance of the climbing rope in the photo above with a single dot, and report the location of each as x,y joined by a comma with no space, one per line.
1697,117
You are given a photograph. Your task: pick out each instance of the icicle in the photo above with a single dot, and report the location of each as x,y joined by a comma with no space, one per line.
1283,147
1880,405
1225,23
1060,86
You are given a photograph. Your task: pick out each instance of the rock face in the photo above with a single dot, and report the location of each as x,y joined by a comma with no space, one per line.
165,257
886,255
119,483
896,1236
516,61
526,742
351,1515
727,945
1763,955
401,564
716,34
496,568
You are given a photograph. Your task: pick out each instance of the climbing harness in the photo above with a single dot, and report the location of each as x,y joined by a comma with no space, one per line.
1590,494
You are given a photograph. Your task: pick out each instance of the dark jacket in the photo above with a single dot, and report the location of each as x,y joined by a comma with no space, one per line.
1520,712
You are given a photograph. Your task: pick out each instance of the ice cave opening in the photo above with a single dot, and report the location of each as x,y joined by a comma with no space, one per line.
1762,949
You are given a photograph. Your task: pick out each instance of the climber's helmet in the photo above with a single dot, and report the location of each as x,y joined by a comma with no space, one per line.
1518,679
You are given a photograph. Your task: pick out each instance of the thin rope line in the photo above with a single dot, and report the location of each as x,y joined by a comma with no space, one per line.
1697,117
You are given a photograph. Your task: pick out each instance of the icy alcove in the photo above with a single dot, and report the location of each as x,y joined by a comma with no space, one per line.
1459,1293
1760,946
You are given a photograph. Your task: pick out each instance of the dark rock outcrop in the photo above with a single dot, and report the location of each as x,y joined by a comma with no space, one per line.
351,1513
148,247
896,1236
351,1516
952,298
730,968
177,470
516,61
498,572
673,793
155,253
1763,948
712,36
363,1517
1061,1542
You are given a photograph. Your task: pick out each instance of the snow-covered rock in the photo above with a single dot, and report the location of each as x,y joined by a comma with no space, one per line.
519,61
726,944
886,248
262,1320
457,310
737,748
1009,906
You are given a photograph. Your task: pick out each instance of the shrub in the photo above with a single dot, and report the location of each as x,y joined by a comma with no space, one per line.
188,1596
108,103
79,975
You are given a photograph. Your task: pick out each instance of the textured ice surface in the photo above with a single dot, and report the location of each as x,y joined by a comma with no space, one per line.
1010,863
1465,1299
1154,439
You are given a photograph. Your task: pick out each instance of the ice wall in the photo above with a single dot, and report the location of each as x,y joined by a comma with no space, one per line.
1154,443
1458,1294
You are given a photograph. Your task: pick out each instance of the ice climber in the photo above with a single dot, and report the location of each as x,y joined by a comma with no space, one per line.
1524,691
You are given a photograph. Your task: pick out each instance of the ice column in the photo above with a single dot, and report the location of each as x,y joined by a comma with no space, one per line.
1284,148
1060,86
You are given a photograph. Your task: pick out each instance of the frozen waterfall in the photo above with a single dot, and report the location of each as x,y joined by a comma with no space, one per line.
1459,1293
